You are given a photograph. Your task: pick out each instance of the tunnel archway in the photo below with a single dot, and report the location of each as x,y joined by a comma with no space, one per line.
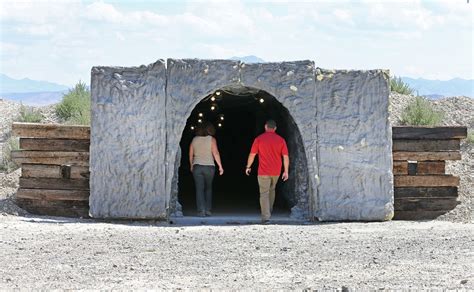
239,114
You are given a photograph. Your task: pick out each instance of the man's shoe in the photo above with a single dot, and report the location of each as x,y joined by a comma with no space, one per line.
208,213
201,214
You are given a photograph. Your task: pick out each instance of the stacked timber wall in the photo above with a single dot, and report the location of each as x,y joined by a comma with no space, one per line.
54,163
423,190
55,170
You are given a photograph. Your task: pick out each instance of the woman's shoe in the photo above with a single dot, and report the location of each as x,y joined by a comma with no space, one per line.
201,214
208,213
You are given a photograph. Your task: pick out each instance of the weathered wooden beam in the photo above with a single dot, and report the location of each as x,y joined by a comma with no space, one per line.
400,167
44,144
430,167
55,208
418,215
33,130
426,145
50,157
54,183
53,195
423,156
430,133
53,171
426,181
413,192
425,204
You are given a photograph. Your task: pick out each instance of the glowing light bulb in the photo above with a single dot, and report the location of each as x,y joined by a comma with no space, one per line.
213,107
222,118
218,93
200,114
213,98
219,125
199,121
262,100
192,127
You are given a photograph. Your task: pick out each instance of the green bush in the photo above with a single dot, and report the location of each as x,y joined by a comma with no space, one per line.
397,85
75,107
7,164
29,115
420,112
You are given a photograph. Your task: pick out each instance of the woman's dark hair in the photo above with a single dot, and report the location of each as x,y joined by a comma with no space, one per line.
210,129
206,129
201,131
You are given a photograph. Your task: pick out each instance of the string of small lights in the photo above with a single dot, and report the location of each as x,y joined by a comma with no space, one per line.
214,100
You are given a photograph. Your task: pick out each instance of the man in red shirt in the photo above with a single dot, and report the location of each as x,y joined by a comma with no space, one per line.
270,147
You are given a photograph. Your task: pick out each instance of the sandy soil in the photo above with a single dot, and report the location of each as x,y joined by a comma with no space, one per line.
38,252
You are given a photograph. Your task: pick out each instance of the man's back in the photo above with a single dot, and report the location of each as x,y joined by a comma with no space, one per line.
270,148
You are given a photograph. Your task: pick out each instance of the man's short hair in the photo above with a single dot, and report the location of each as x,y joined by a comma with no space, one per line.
271,124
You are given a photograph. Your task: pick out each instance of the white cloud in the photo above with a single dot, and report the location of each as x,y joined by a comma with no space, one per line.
64,39
343,15
103,11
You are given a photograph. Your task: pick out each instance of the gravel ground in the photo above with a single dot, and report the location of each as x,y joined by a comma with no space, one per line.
81,254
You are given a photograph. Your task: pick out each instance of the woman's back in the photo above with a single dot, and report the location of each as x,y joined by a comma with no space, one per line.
202,150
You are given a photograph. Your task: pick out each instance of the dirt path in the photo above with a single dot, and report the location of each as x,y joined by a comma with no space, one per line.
38,252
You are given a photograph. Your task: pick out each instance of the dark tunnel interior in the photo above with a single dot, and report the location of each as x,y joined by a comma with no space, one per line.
238,116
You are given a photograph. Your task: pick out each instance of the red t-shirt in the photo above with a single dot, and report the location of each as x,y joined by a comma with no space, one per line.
270,147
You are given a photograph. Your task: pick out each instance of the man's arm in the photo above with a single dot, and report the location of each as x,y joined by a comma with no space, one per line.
286,165
253,152
249,163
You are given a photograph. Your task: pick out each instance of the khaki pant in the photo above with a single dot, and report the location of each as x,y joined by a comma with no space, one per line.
267,186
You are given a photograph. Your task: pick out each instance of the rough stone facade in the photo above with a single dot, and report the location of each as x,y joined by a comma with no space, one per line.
138,116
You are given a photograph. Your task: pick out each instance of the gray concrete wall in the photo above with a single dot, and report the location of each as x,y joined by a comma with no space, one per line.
354,145
139,115
127,149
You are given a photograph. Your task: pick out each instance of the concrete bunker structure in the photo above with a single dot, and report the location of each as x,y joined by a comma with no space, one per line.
336,125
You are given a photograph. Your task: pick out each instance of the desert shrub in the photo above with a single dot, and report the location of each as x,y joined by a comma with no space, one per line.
29,115
397,85
420,112
7,163
75,107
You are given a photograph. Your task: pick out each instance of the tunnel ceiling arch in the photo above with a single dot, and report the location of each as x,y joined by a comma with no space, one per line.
138,115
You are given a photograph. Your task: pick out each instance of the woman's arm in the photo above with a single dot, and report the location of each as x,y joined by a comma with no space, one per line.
191,156
215,154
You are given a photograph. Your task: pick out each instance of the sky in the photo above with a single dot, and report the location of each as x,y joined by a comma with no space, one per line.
60,41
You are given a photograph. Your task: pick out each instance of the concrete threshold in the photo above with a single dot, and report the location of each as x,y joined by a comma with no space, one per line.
236,220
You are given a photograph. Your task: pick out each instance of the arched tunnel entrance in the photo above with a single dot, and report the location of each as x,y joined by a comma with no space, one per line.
239,115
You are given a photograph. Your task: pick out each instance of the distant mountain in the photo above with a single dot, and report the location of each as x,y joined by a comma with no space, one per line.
31,92
10,85
248,59
436,88
35,98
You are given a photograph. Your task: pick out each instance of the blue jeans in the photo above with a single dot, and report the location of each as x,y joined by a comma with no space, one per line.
203,176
